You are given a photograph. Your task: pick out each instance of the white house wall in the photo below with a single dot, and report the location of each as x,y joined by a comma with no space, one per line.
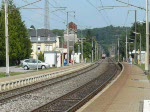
44,47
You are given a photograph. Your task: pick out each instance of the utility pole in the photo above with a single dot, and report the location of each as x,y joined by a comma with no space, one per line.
74,40
92,49
126,46
67,41
135,40
95,50
68,37
118,49
82,49
73,52
47,15
147,39
6,38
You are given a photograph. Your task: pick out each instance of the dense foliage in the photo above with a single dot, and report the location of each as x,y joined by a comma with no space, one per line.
19,44
141,28
106,37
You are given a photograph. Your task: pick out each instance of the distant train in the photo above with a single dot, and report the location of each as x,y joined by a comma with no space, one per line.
103,56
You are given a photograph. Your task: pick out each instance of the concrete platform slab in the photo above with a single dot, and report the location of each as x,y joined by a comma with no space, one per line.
127,94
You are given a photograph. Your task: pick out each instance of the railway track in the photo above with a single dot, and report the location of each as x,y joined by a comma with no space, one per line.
8,95
76,98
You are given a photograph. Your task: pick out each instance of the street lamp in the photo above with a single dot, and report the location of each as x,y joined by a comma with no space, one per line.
140,44
32,27
135,35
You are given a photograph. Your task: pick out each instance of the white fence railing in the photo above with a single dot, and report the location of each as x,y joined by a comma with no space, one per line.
20,82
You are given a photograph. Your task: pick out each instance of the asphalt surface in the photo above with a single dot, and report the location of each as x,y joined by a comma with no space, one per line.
15,69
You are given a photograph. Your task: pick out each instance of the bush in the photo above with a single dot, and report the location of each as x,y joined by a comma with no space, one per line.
41,56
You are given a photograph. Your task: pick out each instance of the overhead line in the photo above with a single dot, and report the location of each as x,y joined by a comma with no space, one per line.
105,12
131,5
43,9
96,9
29,4
126,19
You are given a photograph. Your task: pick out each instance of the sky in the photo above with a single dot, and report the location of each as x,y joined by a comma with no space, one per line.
88,13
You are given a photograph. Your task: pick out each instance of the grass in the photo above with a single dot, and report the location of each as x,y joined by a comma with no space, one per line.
3,74
148,76
11,74
143,68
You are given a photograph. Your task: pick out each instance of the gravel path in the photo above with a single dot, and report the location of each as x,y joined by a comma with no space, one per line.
26,103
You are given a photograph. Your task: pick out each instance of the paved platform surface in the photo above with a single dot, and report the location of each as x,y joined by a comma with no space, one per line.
124,95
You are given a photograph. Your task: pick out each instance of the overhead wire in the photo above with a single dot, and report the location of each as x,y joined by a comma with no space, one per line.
98,11
126,19
105,11
69,14
39,14
43,9
54,13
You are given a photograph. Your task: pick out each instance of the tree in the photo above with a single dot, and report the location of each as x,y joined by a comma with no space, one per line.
141,28
19,43
2,38
41,56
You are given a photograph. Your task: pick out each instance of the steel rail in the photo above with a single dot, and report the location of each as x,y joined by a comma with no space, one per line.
75,99
8,95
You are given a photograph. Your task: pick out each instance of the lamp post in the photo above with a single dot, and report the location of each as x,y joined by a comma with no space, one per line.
32,27
140,44
135,36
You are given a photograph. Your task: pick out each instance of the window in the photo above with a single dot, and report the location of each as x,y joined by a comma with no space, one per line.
27,61
34,61
39,38
39,48
47,47
50,48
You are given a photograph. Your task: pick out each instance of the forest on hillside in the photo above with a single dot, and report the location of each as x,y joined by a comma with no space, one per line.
108,37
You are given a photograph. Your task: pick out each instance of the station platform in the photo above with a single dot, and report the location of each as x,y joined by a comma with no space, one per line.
126,94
